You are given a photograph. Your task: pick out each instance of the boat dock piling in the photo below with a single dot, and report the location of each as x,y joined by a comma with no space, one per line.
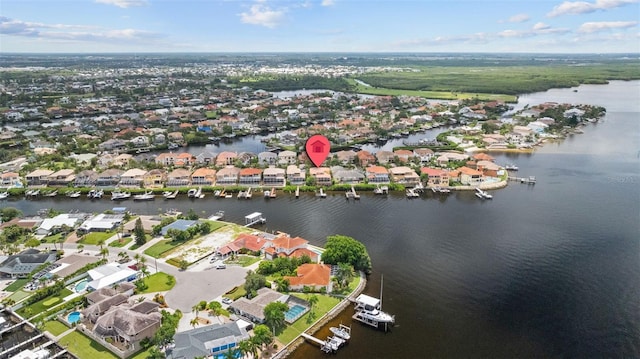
525,180
297,191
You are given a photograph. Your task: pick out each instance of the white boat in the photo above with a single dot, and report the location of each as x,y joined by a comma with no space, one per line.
195,193
119,196
381,190
342,332
511,167
32,192
438,189
147,196
412,194
369,311
170,195
482,194
321,193
52,194
74,194
4,195
98,194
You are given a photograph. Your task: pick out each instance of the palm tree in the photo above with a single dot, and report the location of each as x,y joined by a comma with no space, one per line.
244,347
104,252
101,242
313,300
254,346
194,322
144,271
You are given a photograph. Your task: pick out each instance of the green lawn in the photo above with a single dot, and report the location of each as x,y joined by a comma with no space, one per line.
17,284
18,295
158,283
95,237
119,243
325,303
236,293
83,347
243,260
142,354
161,247
45,304
52,239
55,327
215,225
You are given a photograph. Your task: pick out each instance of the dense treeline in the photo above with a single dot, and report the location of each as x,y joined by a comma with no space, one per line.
284,83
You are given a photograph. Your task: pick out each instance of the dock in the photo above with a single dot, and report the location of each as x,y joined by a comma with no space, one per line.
331,345
352,194
254,218
297,191
525,180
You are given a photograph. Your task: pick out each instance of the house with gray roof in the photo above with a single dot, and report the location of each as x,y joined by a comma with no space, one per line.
21,264
209,341
253,308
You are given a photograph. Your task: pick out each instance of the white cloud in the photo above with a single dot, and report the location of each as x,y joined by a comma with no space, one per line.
124,3
263,15
589,27
541,26
583,7
519,18
328,2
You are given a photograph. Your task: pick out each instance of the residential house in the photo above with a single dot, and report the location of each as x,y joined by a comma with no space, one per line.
404,175
62,177
365,158
287,157
469,176
384,157
377,174
489,168
435,177
483,157
403,156
444,159
133,177
10,179
274,176
179,177
184,159
206,158
39,177
86,178
101,223
346,157
22,264
250,177
315,276
227,176
245,241
212,341
140,141
295,175
246,158
58,222
226,158
253,308
286,246
322,175
423,154
347,176
109,178
155,178
203,177
113,144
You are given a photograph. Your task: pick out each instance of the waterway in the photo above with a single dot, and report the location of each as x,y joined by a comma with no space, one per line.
551,270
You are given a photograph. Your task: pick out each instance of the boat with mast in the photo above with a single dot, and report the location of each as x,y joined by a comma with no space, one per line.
369,311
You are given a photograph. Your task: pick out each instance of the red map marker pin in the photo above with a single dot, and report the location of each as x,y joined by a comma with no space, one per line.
318,148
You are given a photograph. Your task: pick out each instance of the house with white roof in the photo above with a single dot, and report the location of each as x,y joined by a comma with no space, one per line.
68,219
109,275
101,223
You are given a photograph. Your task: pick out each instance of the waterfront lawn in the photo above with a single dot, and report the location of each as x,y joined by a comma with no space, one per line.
95,237
17,284
158,282
144,354
55,327
243,260
215,225
83,347
119,243
45,304
325,304
161,247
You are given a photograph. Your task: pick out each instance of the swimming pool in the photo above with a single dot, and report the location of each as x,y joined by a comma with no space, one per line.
294,313
73,317
81,286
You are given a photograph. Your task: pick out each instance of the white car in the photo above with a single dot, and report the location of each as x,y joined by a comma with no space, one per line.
221,266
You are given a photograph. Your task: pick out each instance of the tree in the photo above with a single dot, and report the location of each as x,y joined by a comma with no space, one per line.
32,243
253,282
101,242
138,232
9,213
194,322
155,353
313,300
245,347
104,252
344,275
262,335
183,264
344,249
274,316
215,307
80,247
282,284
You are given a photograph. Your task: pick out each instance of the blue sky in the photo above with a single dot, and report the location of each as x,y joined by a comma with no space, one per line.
544,26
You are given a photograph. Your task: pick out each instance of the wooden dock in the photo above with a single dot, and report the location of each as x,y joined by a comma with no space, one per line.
525,180
297,191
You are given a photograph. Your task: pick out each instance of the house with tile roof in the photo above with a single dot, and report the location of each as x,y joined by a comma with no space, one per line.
227,176
322,175
245,241
133,177
311,275
179,177
204,177
274,176
469,176
435,177
250,177
156,178
404,175
10,179
365,158
295,175
39,177
226,158
377,174
61,177
285,246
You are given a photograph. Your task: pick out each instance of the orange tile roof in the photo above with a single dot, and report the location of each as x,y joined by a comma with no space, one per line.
377,169
250,171
311,274
289,242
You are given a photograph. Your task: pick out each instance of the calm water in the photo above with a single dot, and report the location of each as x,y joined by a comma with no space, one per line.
551,270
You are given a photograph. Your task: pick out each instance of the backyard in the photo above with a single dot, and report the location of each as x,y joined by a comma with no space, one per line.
44,304
83,347
17,284
325,304
55,327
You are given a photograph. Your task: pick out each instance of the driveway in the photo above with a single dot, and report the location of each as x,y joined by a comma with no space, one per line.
211,283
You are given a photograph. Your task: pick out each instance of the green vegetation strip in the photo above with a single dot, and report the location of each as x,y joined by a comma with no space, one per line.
44,304
55,327
324,305
18,295
17,284
161,247
243,260
95,237
119,243
84,347
158,282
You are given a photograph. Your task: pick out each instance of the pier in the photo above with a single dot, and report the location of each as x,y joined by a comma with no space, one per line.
352,193
331,345
297,191
525,180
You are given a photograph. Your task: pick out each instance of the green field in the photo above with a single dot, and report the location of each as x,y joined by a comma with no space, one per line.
52,239
158,282
55,327
161,247
45,304
17,284
243,260
325,303
95,237
119,243
83,347
18,295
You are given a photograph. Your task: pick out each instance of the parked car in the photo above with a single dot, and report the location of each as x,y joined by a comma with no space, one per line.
221,266
227,300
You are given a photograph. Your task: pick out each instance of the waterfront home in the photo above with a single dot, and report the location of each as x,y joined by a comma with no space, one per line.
295,175
287,157
347,176
109,178
384,157
489,169
179,177
109,275
403,155
435,177
250,242
155,178
314,276
253,309
365,158
274,176
404,175
267,158
469,176
56,223
286,246
346,157
113,159
211,341
226,158
423,154
206,158
483,157
176,137
101,223
62,177
250,177
10,179
39,177
446,157
538,126
113,144
377,174
22,264
203,177
133,177
227,176
322,175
